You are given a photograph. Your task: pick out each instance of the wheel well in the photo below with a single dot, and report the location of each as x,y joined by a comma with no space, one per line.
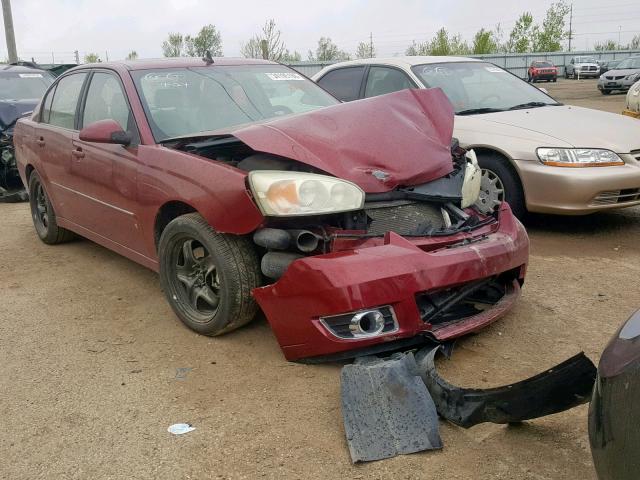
168,212
489,151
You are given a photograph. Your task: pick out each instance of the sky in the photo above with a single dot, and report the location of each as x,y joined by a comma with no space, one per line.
54,29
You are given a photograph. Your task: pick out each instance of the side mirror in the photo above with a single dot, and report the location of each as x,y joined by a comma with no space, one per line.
105,131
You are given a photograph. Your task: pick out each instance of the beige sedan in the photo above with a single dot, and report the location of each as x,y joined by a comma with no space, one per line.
537,154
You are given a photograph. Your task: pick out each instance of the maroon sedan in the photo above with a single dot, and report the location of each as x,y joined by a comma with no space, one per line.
246,185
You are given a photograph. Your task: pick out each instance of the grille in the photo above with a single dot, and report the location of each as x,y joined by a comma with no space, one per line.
612,197
617,77
403,218
458,303
339,324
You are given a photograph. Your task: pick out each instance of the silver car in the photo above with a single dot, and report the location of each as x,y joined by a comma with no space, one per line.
535,153
582,67
622,77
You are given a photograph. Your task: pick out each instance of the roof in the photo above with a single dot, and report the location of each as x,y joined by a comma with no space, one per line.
19,69
175,62
408,60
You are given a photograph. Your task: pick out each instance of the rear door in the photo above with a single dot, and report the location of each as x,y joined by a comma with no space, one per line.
344,83
383,79
53,137
102,175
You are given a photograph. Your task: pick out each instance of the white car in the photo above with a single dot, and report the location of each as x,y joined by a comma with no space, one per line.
633,101
537,154
582,67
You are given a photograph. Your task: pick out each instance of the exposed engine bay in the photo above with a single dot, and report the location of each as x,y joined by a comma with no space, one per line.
442,207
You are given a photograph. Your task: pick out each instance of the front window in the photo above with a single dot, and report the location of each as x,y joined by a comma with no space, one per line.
184,101
542,64
479,87
585,60
629,63
24,86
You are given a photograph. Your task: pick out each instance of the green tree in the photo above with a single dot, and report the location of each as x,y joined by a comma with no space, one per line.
417,49
288,57
173,46
208,39
523,35
485,41
266,44
327,51
444,44
635,42
132,55
549,36
365,50
606,45
92,58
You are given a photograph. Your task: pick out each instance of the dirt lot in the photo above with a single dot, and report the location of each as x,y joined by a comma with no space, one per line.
89,352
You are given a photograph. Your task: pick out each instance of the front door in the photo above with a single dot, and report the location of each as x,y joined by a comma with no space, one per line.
103,176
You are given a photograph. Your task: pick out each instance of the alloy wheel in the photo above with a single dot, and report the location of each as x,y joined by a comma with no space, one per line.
198,278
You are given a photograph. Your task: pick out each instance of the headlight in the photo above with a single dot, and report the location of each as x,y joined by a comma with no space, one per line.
280,193
578,157
633,77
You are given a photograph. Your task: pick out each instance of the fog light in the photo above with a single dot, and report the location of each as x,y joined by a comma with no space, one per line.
367,323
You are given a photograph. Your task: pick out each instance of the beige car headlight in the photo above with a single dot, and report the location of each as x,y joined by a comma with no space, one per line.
578,157
281,193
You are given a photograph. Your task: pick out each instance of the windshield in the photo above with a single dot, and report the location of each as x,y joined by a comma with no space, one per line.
633,62
184,101
473,86
542,64
585,60
23,86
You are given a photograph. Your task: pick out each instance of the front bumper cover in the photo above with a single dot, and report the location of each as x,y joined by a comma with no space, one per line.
389,273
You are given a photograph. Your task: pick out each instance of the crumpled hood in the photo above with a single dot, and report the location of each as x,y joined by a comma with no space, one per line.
11,110
577,126
403,138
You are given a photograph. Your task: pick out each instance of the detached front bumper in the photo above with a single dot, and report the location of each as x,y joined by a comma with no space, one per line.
391,273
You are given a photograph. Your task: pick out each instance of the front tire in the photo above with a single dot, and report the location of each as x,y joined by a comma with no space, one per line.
605,92
207,277
43,215
500,182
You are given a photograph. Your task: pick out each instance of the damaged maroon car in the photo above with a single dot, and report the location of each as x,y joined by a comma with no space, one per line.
352,226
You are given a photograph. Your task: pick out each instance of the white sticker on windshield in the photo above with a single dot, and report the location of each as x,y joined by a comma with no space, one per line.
284,76
495,70
30,75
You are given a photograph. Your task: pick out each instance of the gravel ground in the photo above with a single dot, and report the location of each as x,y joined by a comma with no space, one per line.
91,358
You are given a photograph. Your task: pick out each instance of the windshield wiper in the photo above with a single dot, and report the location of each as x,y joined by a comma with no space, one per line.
531,105
473,111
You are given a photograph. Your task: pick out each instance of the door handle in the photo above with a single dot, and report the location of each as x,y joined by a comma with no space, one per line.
40,141
78,153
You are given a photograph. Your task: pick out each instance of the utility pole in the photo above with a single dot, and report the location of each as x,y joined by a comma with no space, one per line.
570,25
77,55
619,37
8,31
370,44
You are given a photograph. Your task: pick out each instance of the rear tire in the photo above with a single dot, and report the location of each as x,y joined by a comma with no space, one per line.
513,193
207,277
605,92
43,215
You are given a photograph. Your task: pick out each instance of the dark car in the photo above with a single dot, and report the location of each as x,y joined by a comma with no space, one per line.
352,225
21,88
609,65
542,70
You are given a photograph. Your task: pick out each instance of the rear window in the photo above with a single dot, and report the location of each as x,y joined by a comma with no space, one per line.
24,85
343,83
